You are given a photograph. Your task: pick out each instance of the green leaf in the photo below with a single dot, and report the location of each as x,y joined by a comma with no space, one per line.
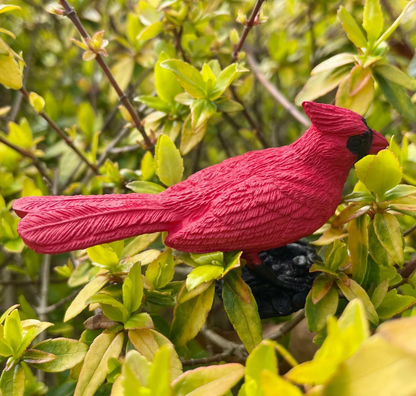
377,251
139,321
334,62
394,25
159,376
373,20
354,32
201,274
358,246
35,356
8,8
394,75
387,229
317,314
207,258
13,332
336,255
151,31
12,382
80,301
86,118
135,289
148,342
37,102
138,244
10,74
224,80
189,77
105,299
238,286
31,329
68,353
154,103
272,384
190,138
147,166
7,312
166,84
94,369
135,372
145,187
190,316
161,270
393,304
262,358
244,317
321,83
201,112
379,173
397,96
211,380
321,286
400,191
168,161
354,290
379,293
104,256
5,349
229,106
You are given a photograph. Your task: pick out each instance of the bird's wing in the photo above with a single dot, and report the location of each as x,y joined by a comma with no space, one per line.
254,213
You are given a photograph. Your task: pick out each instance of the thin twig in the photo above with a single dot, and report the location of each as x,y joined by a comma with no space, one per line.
247,27
28,154
61,302
207,360
179,48
112,144
409,231
288,326
277,95
72,15
61,133
124,149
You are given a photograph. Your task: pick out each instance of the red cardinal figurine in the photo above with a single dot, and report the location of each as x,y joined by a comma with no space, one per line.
254,202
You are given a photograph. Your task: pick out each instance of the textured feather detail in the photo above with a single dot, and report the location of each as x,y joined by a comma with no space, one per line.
61,224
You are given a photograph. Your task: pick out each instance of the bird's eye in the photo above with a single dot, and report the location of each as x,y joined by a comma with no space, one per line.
355,142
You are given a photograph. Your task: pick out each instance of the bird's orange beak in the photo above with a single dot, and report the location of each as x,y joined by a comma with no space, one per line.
379,143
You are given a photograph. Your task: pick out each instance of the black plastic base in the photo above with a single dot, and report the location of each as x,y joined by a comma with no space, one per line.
282,282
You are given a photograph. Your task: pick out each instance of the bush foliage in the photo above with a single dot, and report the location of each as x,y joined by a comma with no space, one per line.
118,96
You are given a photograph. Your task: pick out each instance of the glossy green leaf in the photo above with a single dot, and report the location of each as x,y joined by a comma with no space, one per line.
393,304
189,77
94,369
159,376
68,353
190,316
358,247
8,8
262,357
151,31
397,96
379,293
229,106
321,286
145,187
13,332
190,137
317,314
377,251
139,321
135,372
35,356
353,291
238,286
155,103
80,301
400,191
148,342
272,384
244,317
201,112
387,229
224,80
207,258
350,213
166,83
212,380
334,62
394,75
373,20
10,74
138,244
379,173
12,382
161,270
147,166
354,32
168,161
201,274
7,312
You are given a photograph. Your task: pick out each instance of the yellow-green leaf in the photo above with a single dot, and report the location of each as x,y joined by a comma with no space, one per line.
168,161
373,20
358,247
354,32
317,314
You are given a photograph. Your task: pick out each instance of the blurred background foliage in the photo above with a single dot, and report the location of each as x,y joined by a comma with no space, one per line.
196,82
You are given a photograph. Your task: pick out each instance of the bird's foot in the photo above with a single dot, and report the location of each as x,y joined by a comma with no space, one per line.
252,259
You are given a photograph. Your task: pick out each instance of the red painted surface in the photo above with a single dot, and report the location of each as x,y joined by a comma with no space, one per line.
257,201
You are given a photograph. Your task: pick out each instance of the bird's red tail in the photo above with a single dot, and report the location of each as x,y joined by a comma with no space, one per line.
61,224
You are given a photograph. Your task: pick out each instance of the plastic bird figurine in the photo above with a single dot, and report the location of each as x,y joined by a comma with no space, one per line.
254,202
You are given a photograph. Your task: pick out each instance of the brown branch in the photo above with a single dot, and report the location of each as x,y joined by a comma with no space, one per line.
72,15
288,326
28,154
207,360
61,302
61,133
179,48
247,27
409,231
276,94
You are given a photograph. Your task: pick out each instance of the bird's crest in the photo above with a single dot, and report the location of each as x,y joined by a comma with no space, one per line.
333,119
